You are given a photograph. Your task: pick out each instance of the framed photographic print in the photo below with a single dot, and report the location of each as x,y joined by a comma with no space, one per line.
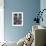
17,18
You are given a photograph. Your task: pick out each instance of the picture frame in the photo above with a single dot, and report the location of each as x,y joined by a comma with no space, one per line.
17,18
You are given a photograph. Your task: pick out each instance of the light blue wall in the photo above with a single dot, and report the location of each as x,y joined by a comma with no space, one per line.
43,6
28,7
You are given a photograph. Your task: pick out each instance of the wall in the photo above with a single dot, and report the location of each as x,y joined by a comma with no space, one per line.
43,6
29,8
1,20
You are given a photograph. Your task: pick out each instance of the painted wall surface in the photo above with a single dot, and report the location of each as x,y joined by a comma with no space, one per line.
43,6
1,20
28,7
